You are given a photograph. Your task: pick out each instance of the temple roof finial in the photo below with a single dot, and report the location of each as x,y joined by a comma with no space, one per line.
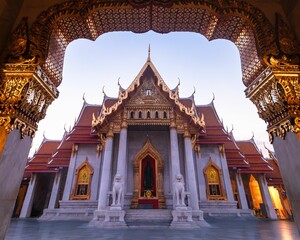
149,59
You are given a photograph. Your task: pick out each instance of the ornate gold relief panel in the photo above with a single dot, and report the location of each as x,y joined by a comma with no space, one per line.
82,187
213,178
26,94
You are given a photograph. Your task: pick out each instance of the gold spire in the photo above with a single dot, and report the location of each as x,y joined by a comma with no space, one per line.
149,59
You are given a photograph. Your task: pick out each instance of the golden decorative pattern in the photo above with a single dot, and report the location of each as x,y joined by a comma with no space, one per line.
45,41
276,94
138,99
26,94
82,185
213,176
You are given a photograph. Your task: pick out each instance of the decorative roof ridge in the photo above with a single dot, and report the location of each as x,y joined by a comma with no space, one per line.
212,105
251,140
160,83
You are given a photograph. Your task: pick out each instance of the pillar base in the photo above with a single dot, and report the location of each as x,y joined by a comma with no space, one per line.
185,217
110,218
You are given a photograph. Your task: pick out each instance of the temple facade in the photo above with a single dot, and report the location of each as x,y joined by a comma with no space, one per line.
149,152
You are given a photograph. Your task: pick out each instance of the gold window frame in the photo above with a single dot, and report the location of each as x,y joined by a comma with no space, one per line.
84,168
207,170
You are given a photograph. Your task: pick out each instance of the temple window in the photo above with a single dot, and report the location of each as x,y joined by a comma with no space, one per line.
140,114
165,115
148,114
213,182
131,114
156,114
83,182
148,92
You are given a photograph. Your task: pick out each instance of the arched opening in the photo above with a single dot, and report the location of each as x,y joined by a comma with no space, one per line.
82,187
257,200
148,167
247,22
214,189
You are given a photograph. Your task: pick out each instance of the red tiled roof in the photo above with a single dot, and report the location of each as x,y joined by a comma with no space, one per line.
274,178
234,156
257,162
61,157
39,161
215,132
81,132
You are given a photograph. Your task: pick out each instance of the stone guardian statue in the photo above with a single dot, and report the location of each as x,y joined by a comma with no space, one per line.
179,190
117,190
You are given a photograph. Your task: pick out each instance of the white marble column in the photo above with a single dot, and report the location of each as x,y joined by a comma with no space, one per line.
288,151
70,174
27,204
263,186
13,160
106,171
175,164
122,160
190,170
202,182
55,190
226,178
97,173
241,191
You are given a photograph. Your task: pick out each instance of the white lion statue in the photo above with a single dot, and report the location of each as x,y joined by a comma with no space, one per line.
117,190
179,190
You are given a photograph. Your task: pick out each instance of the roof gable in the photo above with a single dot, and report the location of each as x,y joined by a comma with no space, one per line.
139,87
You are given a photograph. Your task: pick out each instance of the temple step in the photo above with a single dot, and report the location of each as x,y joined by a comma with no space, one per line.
148,217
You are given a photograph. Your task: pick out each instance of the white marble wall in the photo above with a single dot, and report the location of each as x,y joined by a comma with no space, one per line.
212,152
89,152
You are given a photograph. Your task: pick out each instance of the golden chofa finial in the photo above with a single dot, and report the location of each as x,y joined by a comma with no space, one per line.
149,59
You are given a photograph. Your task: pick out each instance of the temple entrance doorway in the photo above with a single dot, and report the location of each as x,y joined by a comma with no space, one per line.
148,182
148,179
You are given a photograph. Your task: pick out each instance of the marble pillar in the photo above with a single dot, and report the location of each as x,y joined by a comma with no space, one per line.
190,170
13,160
226,178
70,175
288,154
122,160
174,153
200,165
106,172
27,204
55,190
241,191
96,175
263,186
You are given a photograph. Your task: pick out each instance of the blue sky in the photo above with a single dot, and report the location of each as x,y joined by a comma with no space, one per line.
211,67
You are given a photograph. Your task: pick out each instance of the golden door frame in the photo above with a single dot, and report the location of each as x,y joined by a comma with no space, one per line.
148,150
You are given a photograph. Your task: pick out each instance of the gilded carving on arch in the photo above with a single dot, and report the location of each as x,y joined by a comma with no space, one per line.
276,94
26,94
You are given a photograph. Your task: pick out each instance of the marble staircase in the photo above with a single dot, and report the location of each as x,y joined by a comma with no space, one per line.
148,218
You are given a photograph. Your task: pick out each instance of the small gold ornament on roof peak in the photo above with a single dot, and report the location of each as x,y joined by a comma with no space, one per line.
149,51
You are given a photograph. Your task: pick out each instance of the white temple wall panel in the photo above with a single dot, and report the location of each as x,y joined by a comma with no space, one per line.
70,177
200,165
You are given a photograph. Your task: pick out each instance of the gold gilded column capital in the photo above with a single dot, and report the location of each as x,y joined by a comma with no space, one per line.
276,94
26,93
186,133
110,132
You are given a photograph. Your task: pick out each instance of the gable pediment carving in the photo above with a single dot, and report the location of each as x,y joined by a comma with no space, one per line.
148,93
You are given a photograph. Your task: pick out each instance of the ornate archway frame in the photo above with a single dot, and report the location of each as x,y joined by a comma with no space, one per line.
40,46
148,150
90,171
220,178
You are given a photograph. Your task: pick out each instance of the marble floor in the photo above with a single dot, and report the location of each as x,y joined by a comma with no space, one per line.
220,228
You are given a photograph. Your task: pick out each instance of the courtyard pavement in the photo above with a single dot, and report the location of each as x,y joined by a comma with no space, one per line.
220,228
